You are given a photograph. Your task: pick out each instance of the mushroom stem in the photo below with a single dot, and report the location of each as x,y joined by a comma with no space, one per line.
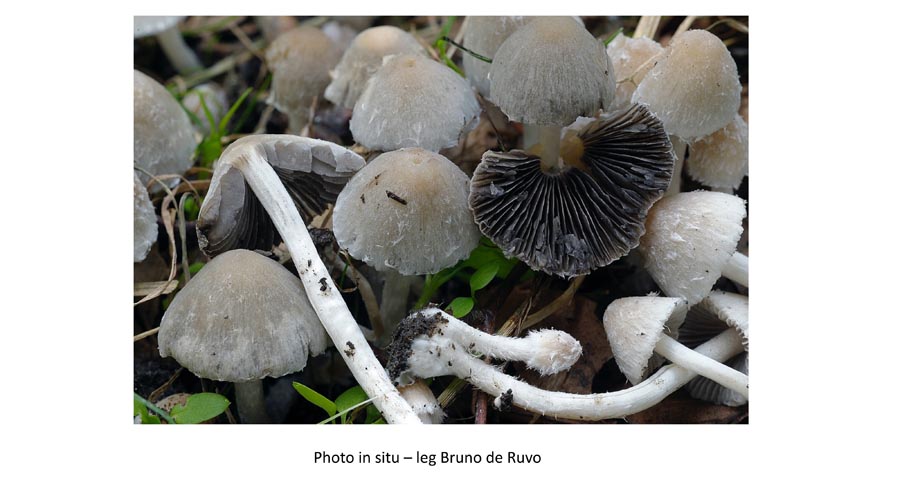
182,57
680,148
251,402
548,138
321,290
689,359
394,296
297,121
737,269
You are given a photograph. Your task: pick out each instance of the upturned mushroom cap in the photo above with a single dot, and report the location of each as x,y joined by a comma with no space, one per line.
406,210
550,72
484,35
364,57
163,135
634,326
243,317
300,60
631,59
413,101
694,87
587,215
145,230
690,237
313,172
720,160
145,26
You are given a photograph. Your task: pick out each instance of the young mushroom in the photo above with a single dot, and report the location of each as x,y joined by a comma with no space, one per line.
242,318
145,229
690,242
423,402
363,58
720,160
631,59
484,35
257,159
173,46
413,101
640,326
586,214
420,351
163,135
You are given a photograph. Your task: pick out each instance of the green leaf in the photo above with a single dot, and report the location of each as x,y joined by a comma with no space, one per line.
460,307
231,111
319,400
483,276
373,415
349,399
141,406
200,407
612,37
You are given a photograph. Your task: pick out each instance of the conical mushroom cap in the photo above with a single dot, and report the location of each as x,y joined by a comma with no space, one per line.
720,160
694,88
634,326
242,317
585,216
312,171
163,135
550,72
413,101
145,230
406,210
364,57
631,59
690,237
484,35
733,309
300,60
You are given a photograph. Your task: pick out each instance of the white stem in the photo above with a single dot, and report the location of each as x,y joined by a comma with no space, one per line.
550,147
702,365
422,400
680,148
321,290
251,403
182,57
547,351
394,298
591,407
737,269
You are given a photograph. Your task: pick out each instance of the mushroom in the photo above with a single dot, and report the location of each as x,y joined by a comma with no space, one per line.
363,58
215,101
300,60
242,318
635,328
420,351
163,135
313,171
257,159
484,35
413,101
173,46
716,313
631,59
545,75
690,242
423,402
720,159
589,212
145,229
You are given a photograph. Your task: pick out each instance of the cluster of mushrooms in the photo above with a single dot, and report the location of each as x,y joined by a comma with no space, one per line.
606,131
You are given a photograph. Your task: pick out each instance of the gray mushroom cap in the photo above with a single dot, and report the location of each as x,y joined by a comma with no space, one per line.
634,326
484,35
313,172
145,230
363,58
242,317
413,101
406,210
145,26
300,60
550,72
163,135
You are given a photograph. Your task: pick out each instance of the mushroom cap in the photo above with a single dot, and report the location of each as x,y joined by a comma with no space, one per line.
412,101
313,172
300,60
342,35
690,237
484,35
694,87
145,230
551,71
423,402
571,222
363,58
406,210
215,100
163,135
720,160
631,60
733,309
634,326
144,26
242,317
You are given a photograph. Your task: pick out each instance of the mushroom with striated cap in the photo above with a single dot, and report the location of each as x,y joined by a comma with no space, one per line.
242,318
631,59
170,40
720,159
145,229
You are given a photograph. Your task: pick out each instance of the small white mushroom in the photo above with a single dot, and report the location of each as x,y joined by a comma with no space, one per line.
631,59
423,402
484,35
720,160
145,230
